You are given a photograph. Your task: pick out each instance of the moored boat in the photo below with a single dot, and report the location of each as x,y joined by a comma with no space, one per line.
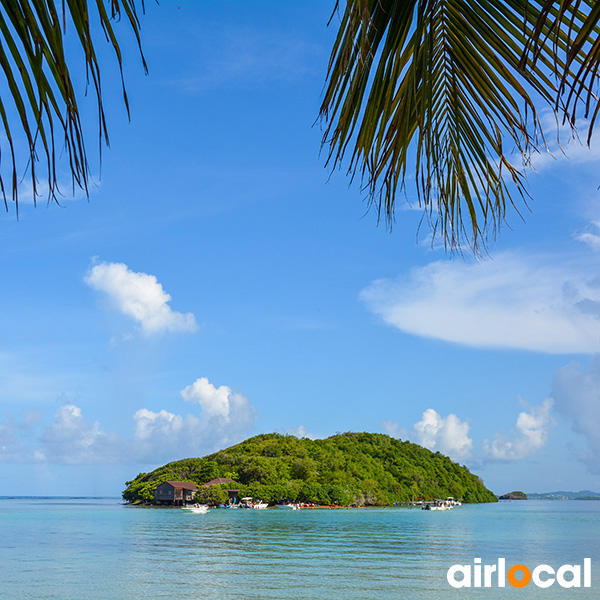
249,502
439,505
195,508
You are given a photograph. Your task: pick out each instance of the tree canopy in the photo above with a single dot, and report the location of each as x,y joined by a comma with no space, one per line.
362,468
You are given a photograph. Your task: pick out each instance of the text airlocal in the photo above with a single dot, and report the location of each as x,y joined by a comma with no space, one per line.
519,576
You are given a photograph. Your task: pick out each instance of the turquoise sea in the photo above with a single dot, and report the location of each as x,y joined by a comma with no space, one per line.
96,548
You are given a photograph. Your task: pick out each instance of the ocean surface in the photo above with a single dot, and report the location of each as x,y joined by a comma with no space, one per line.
96,548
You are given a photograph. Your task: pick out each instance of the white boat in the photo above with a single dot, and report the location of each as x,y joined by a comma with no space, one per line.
288,506
196,508
439,505
249,502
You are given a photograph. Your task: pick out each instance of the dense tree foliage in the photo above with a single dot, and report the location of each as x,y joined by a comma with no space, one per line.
362,468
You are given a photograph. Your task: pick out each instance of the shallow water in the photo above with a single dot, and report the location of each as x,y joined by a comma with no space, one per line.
99,549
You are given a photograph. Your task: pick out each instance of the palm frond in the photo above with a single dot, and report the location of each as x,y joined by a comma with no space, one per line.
449,88
39,89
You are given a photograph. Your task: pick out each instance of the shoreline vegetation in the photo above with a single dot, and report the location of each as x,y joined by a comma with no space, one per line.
348,469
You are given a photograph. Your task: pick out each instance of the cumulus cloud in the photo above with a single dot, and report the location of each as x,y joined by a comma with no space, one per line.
226,418
139,296
71,439
448,435
530,436
576,392
512,301
214,401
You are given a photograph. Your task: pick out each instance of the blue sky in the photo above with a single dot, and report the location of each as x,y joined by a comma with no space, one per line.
219,283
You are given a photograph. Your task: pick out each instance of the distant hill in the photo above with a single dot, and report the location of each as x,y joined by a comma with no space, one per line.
361,468
513,496
582,495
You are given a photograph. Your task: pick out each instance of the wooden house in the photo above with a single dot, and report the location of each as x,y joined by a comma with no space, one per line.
175,493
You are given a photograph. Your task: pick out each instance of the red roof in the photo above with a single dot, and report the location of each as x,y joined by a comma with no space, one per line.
217,481
185,485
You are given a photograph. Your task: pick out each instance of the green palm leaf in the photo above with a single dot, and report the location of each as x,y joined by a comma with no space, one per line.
39,93
449,89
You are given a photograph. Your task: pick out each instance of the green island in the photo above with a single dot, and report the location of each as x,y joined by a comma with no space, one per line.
518,495
363,469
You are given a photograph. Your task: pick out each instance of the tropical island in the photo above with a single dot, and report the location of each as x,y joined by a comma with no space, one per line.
362,469
518,495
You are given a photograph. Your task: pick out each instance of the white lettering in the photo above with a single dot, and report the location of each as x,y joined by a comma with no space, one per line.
587,572
487,575
575,570
501,572
477,573
466,573
543,583
543,576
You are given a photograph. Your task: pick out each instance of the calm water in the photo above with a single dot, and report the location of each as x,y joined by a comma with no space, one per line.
98,549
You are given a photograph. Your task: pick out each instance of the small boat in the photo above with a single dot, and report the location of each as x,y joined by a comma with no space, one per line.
289,506
196,508
249,502
439,505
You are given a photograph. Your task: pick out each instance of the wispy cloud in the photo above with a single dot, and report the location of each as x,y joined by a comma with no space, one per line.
530,435
248,57
542,304
591,237
139,296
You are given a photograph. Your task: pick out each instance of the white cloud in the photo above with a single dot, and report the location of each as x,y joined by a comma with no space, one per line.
513,301
139,296
563,146
70,439
591,239
448,435
214,401
531,434
223,418
576,392
226,418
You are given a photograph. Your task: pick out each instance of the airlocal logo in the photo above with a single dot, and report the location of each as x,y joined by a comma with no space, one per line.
519,576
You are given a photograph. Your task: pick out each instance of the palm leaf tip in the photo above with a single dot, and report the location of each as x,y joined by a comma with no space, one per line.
445,88
41,103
